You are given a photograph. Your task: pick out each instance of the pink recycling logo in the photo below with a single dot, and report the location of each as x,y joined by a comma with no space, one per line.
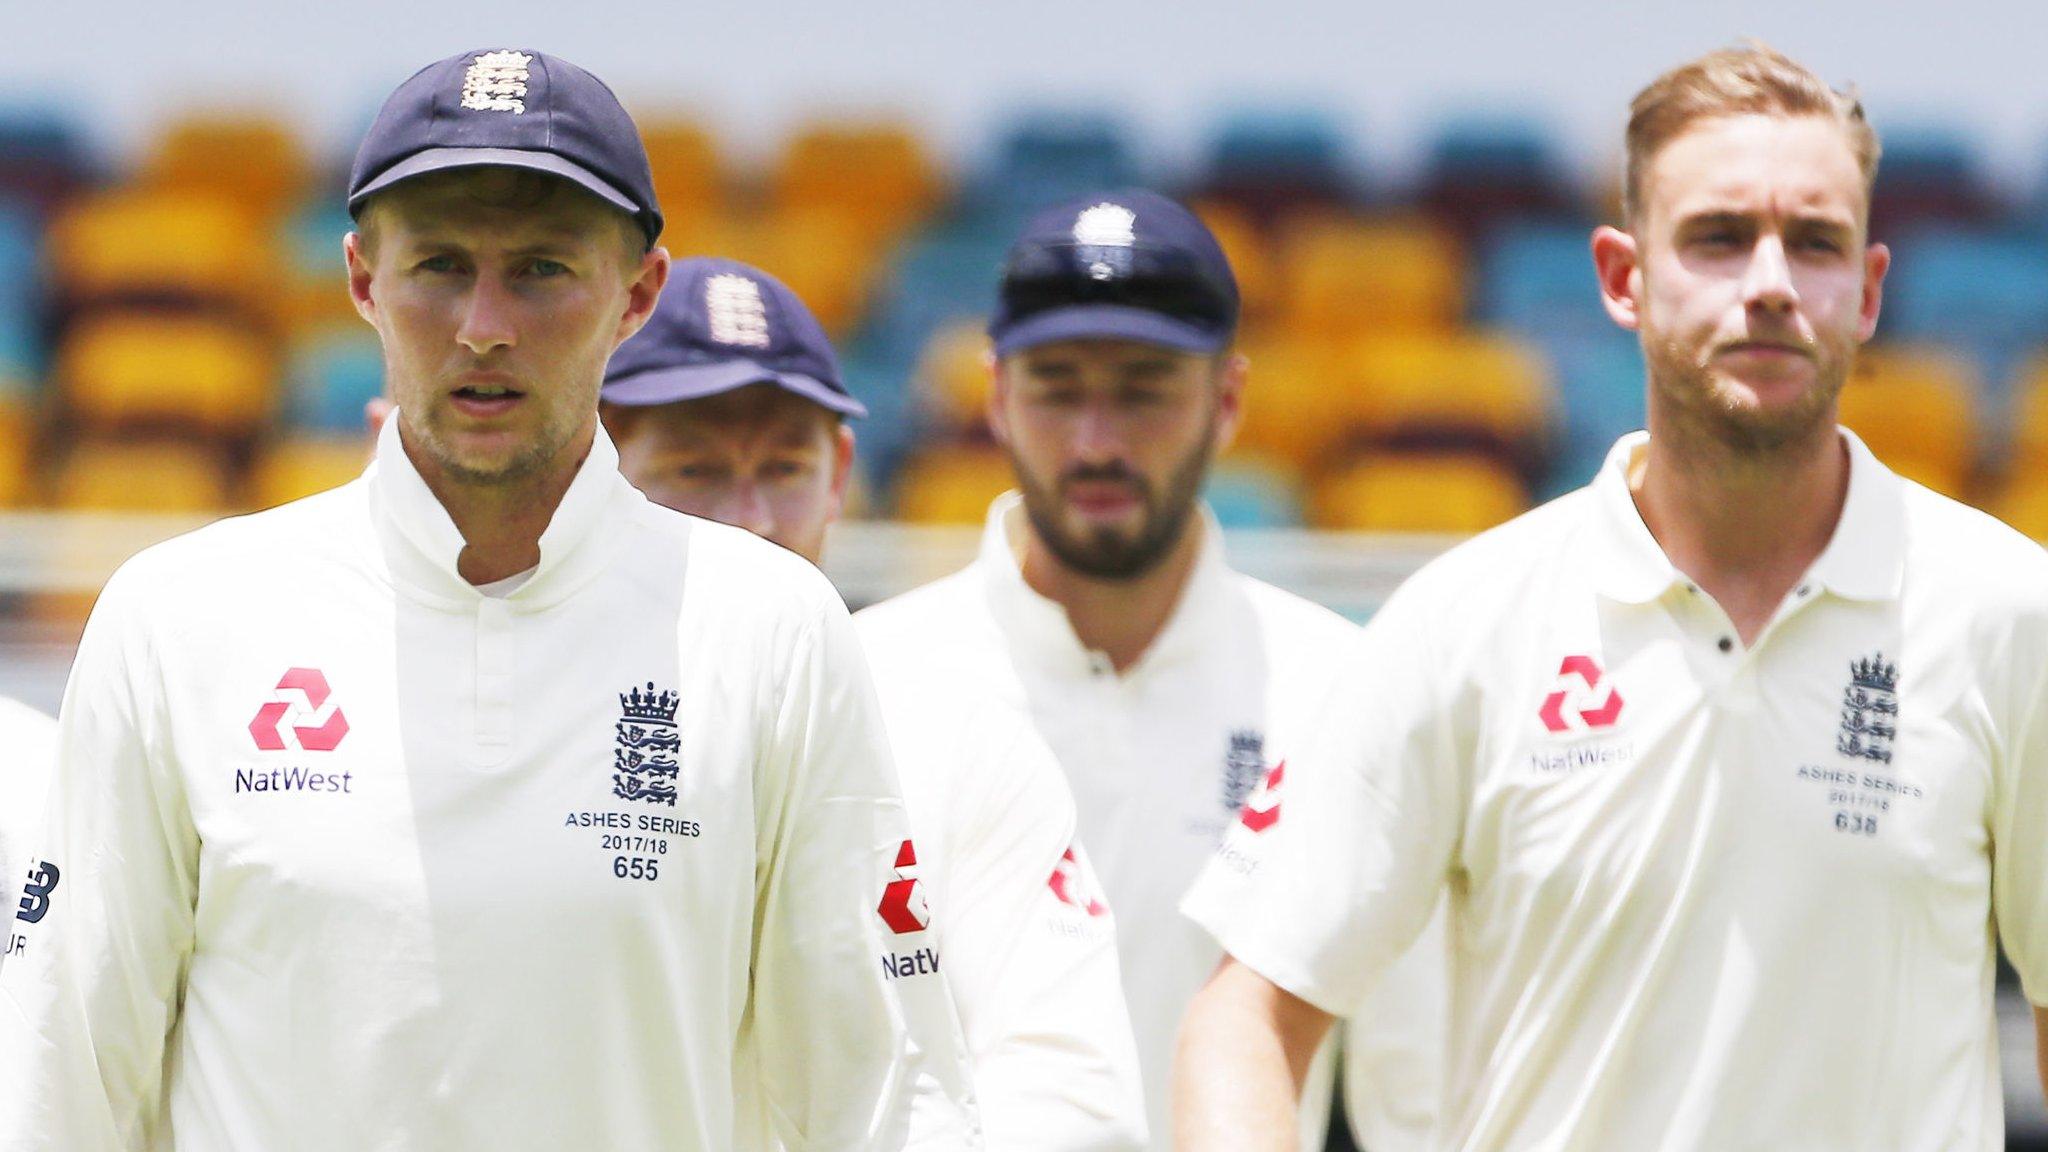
299,707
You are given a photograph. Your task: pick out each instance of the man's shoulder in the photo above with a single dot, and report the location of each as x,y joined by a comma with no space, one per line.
929,613
21,724
730,567
258,548
1962,551
1492,571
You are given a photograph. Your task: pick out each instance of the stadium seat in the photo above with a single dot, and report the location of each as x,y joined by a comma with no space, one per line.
253,161
300,466
43,157
1250,255
1247,490
17,451
1930,176
1487,169
953,379
331,371
185,247
1348,277
878,172
148,476
1601,390
2030,437
1537,281
1985,295
121,369
1468,391
2023,503
952,484
1294,406
1048,155
317,293
1911,405
1434,492
1271,162
688,176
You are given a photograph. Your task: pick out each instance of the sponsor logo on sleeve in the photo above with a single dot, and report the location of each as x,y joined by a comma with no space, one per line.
906,909
1262,808
1073,882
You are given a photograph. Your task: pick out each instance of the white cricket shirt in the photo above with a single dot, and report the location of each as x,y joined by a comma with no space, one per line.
355,857
1704,897
1027,939
27,739
1160,758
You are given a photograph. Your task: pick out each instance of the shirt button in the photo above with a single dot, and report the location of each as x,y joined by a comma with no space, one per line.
1726,644
1805,589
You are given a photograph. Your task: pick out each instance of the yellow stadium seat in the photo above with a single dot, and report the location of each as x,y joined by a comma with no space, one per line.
1250,255
153,476
1294,409
303,465
953,377
2024,503
255,162
879,172
1345,277
1912,407
825,255
1465,388
2030,439
124,368
1461,493
17,446
688,177
952,485
180,244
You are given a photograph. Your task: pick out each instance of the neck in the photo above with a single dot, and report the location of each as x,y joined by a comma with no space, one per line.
501,522
1119,618
1745,526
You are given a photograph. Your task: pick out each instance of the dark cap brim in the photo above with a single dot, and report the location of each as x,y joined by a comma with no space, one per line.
442,159
1109,322
696,381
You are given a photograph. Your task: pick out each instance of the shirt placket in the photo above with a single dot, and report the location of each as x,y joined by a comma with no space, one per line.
491,743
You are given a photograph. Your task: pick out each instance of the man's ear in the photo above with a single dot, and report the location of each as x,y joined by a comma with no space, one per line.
1230,378
1617,263
643,293
998,397
360,292
842,466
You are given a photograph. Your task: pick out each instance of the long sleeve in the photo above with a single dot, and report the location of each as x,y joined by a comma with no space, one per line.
1033,961
104,929
832,1048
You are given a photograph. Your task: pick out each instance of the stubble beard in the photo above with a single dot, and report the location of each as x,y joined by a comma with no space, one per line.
1706,408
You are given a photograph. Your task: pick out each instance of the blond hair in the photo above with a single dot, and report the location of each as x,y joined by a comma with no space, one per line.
1752,79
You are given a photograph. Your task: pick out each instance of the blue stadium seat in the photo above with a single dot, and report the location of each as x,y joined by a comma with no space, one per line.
1246,492
1930,177
1600,381
43,155
1046,156
1273,161
1486,170
1536,280
333,372
1983,294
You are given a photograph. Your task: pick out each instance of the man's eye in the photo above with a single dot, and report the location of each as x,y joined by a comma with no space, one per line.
439,264
548,268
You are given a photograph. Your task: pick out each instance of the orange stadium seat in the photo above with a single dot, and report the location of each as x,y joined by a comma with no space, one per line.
255,162
1250,255
1912,406
303,465
1293,406
125,368
1434,492
1465,389
952,485
880,172
150,476
825,256
952,378
171,244
17,448
688,176
1346,277
2030,437
2024,502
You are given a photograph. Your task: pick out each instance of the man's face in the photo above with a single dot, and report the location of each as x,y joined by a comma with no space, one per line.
497,320
1111,441
760,458
1748,276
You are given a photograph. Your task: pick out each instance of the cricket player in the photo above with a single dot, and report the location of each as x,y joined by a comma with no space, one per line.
479,803
27,738
729,404
1101,607
1733,761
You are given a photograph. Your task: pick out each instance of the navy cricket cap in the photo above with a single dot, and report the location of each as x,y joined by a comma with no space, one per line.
721,325
515,109
1125,265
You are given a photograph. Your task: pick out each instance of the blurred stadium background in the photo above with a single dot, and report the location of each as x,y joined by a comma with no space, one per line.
1406,197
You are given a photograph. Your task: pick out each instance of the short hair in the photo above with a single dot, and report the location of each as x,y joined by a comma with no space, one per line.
1750,79
515,188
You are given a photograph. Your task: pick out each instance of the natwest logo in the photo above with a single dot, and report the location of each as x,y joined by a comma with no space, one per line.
1262,807
1073,882
1579,701
905,908
299,714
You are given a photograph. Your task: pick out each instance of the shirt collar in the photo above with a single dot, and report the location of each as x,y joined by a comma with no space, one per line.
422,544
1864,558
1038,627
